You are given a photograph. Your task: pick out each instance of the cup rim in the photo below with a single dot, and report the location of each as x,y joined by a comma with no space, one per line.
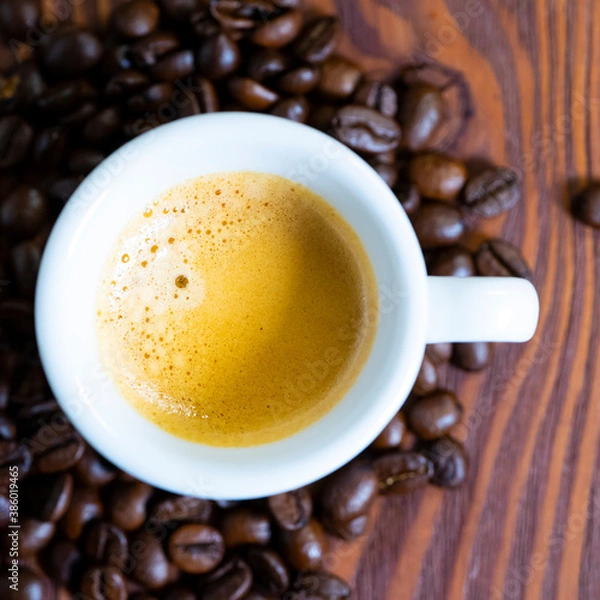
300,472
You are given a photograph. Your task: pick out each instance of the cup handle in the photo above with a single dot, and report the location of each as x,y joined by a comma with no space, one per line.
481,309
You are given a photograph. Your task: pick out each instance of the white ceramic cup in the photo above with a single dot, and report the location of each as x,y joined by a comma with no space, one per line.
414,309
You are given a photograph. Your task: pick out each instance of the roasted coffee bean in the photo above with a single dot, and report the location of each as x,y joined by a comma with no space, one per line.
71,53
439,353
178,593
23,211
104,583
19,19
433,416
365,130
339,78
321,117
437,176
48,147
420,114
34,535
103,126
218,56
205,93
408,196
8,429
47,497
231,581
136,18
438,224
402,471
21,89
378,96
178,10
321,585
125,82
62,189
279,32
492,192
105,544
389,173
56,447
15,139
305,548
182,508
270,571
148,51
127,508
392,435
244,526
499,258
252,94
294,109
240,17
150,565
155,98
33,585
25,260
300,80
426,379
80,115
13,454
347,495
318,40
291,510
176,65
85,506
83,160
472,356
62,561
267,63
204,25
452,262
65,97
196,548
449,461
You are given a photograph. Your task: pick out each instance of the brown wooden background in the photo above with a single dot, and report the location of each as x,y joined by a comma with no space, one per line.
527,522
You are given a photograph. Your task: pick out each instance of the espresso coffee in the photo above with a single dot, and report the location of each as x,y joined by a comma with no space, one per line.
236,309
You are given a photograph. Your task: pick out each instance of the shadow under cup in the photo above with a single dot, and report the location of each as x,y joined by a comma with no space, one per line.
114,193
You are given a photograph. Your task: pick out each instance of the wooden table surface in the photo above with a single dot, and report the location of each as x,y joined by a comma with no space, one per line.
526,524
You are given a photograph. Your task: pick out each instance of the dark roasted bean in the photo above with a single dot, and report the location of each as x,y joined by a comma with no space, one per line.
23,212
103,583
270,571
196,548
347,495
492,192
408,197
15,139
499,258
47,497
439,353
420,114
178,10
125,82
472,356
231,581
150,565
252,94
48,147
175,65
452,262
321,116
291,510
204,92
13,454
149,50
392,435
103,126
304,548
56,447
33,535
127,508
83,160
389,173
153,99
426,379
71,53
61,559
65,97
298,81
379,96
438,224
25,258
267,63
295,109
403,471
136,18
105,544
339,78
449,461
182,508
85,506
243,526
62,189
8,429
178,593
218,56
365,130
433,416
321,585
279,32
33,585
318,40
19,19
437,176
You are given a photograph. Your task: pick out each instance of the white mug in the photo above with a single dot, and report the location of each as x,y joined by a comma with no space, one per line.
414,309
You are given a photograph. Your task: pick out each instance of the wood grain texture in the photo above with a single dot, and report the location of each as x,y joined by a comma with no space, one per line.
526,524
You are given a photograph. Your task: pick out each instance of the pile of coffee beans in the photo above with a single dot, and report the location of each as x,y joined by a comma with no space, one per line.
69,97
